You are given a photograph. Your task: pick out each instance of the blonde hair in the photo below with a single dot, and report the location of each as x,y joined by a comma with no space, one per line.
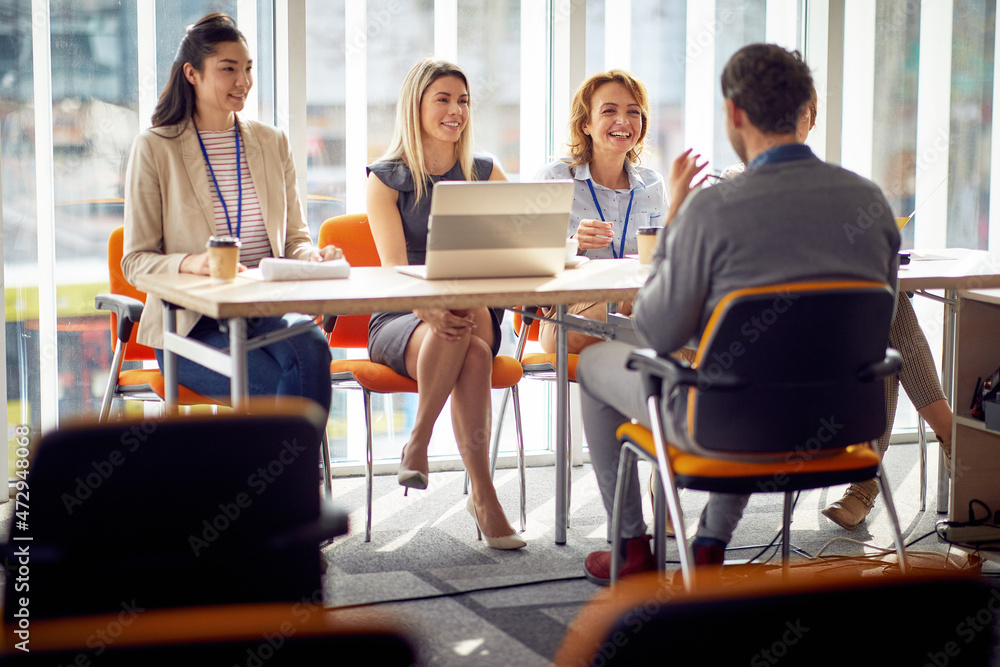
406,144
581,146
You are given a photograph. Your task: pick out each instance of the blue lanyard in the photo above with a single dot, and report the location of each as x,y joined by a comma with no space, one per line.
239,181
628,214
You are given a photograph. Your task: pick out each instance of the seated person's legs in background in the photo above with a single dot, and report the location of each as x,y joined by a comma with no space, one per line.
919,375
295,366
920,380
612,395
577,341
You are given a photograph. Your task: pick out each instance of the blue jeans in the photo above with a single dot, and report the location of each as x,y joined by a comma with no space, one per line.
296,366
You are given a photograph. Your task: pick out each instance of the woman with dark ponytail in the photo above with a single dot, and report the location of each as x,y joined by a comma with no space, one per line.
202,171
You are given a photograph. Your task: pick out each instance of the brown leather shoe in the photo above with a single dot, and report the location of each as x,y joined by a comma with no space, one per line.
852,509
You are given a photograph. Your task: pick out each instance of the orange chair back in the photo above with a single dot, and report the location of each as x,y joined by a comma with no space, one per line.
532,330
116,244
351,234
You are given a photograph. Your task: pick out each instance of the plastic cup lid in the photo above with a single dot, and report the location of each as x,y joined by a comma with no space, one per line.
222,242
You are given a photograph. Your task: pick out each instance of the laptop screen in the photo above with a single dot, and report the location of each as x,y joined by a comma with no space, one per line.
498,229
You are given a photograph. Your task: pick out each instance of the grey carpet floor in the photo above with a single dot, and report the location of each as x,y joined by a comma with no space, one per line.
470,605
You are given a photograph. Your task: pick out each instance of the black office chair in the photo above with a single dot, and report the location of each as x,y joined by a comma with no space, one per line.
785,394
181,511
737,618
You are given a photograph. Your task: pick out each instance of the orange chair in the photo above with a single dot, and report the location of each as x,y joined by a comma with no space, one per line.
125,303
272,634
353,235
540,365
760,419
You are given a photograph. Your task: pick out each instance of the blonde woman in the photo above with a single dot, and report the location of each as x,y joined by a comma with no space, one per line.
448,352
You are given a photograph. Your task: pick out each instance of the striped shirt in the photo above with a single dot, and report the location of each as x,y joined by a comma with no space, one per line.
221,148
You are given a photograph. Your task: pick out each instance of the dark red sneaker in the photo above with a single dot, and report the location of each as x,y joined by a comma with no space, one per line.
708,551
638,558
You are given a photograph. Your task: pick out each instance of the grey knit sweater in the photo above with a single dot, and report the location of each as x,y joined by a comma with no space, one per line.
798,219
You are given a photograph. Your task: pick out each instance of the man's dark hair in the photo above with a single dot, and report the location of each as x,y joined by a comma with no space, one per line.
770,84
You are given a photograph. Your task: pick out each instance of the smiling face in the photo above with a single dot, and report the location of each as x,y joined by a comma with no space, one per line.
222,86
444,110
615,122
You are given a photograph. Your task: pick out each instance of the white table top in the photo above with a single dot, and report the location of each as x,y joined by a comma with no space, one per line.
957,268
376,289
985,295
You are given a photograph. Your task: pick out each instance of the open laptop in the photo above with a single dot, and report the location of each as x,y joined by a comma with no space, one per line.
496,229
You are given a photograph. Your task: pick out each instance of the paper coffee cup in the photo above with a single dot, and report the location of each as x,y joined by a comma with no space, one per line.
646,239
223,257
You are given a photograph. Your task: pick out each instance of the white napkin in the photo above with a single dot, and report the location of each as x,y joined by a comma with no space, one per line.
272,268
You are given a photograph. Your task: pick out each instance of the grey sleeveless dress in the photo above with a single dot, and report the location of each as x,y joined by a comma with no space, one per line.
388,333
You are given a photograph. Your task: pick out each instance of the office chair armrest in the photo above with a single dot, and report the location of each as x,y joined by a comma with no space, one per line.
656,371
127,309
332,522
892,363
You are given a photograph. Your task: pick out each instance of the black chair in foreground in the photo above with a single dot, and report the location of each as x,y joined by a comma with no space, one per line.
174,512
786,393
745,616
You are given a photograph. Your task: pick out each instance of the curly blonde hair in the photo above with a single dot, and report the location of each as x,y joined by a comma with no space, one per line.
581,145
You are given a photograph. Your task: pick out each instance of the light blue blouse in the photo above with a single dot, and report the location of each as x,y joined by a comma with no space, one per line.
649,202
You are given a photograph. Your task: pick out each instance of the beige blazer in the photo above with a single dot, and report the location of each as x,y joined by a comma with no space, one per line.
169,212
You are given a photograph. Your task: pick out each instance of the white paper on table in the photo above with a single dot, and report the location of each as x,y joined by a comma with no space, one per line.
274,269
926,256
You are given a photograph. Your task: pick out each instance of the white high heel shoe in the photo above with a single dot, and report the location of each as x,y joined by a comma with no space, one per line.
511,541
410,479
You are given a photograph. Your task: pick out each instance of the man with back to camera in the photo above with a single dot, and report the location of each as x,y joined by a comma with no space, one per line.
790,217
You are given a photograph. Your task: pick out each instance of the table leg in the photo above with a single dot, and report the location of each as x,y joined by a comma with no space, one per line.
948,386
169,361
240,380
563,459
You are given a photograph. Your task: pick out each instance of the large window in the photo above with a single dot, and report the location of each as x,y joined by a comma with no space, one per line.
649,42
971,124
93,120
930,131
93,61
894,145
